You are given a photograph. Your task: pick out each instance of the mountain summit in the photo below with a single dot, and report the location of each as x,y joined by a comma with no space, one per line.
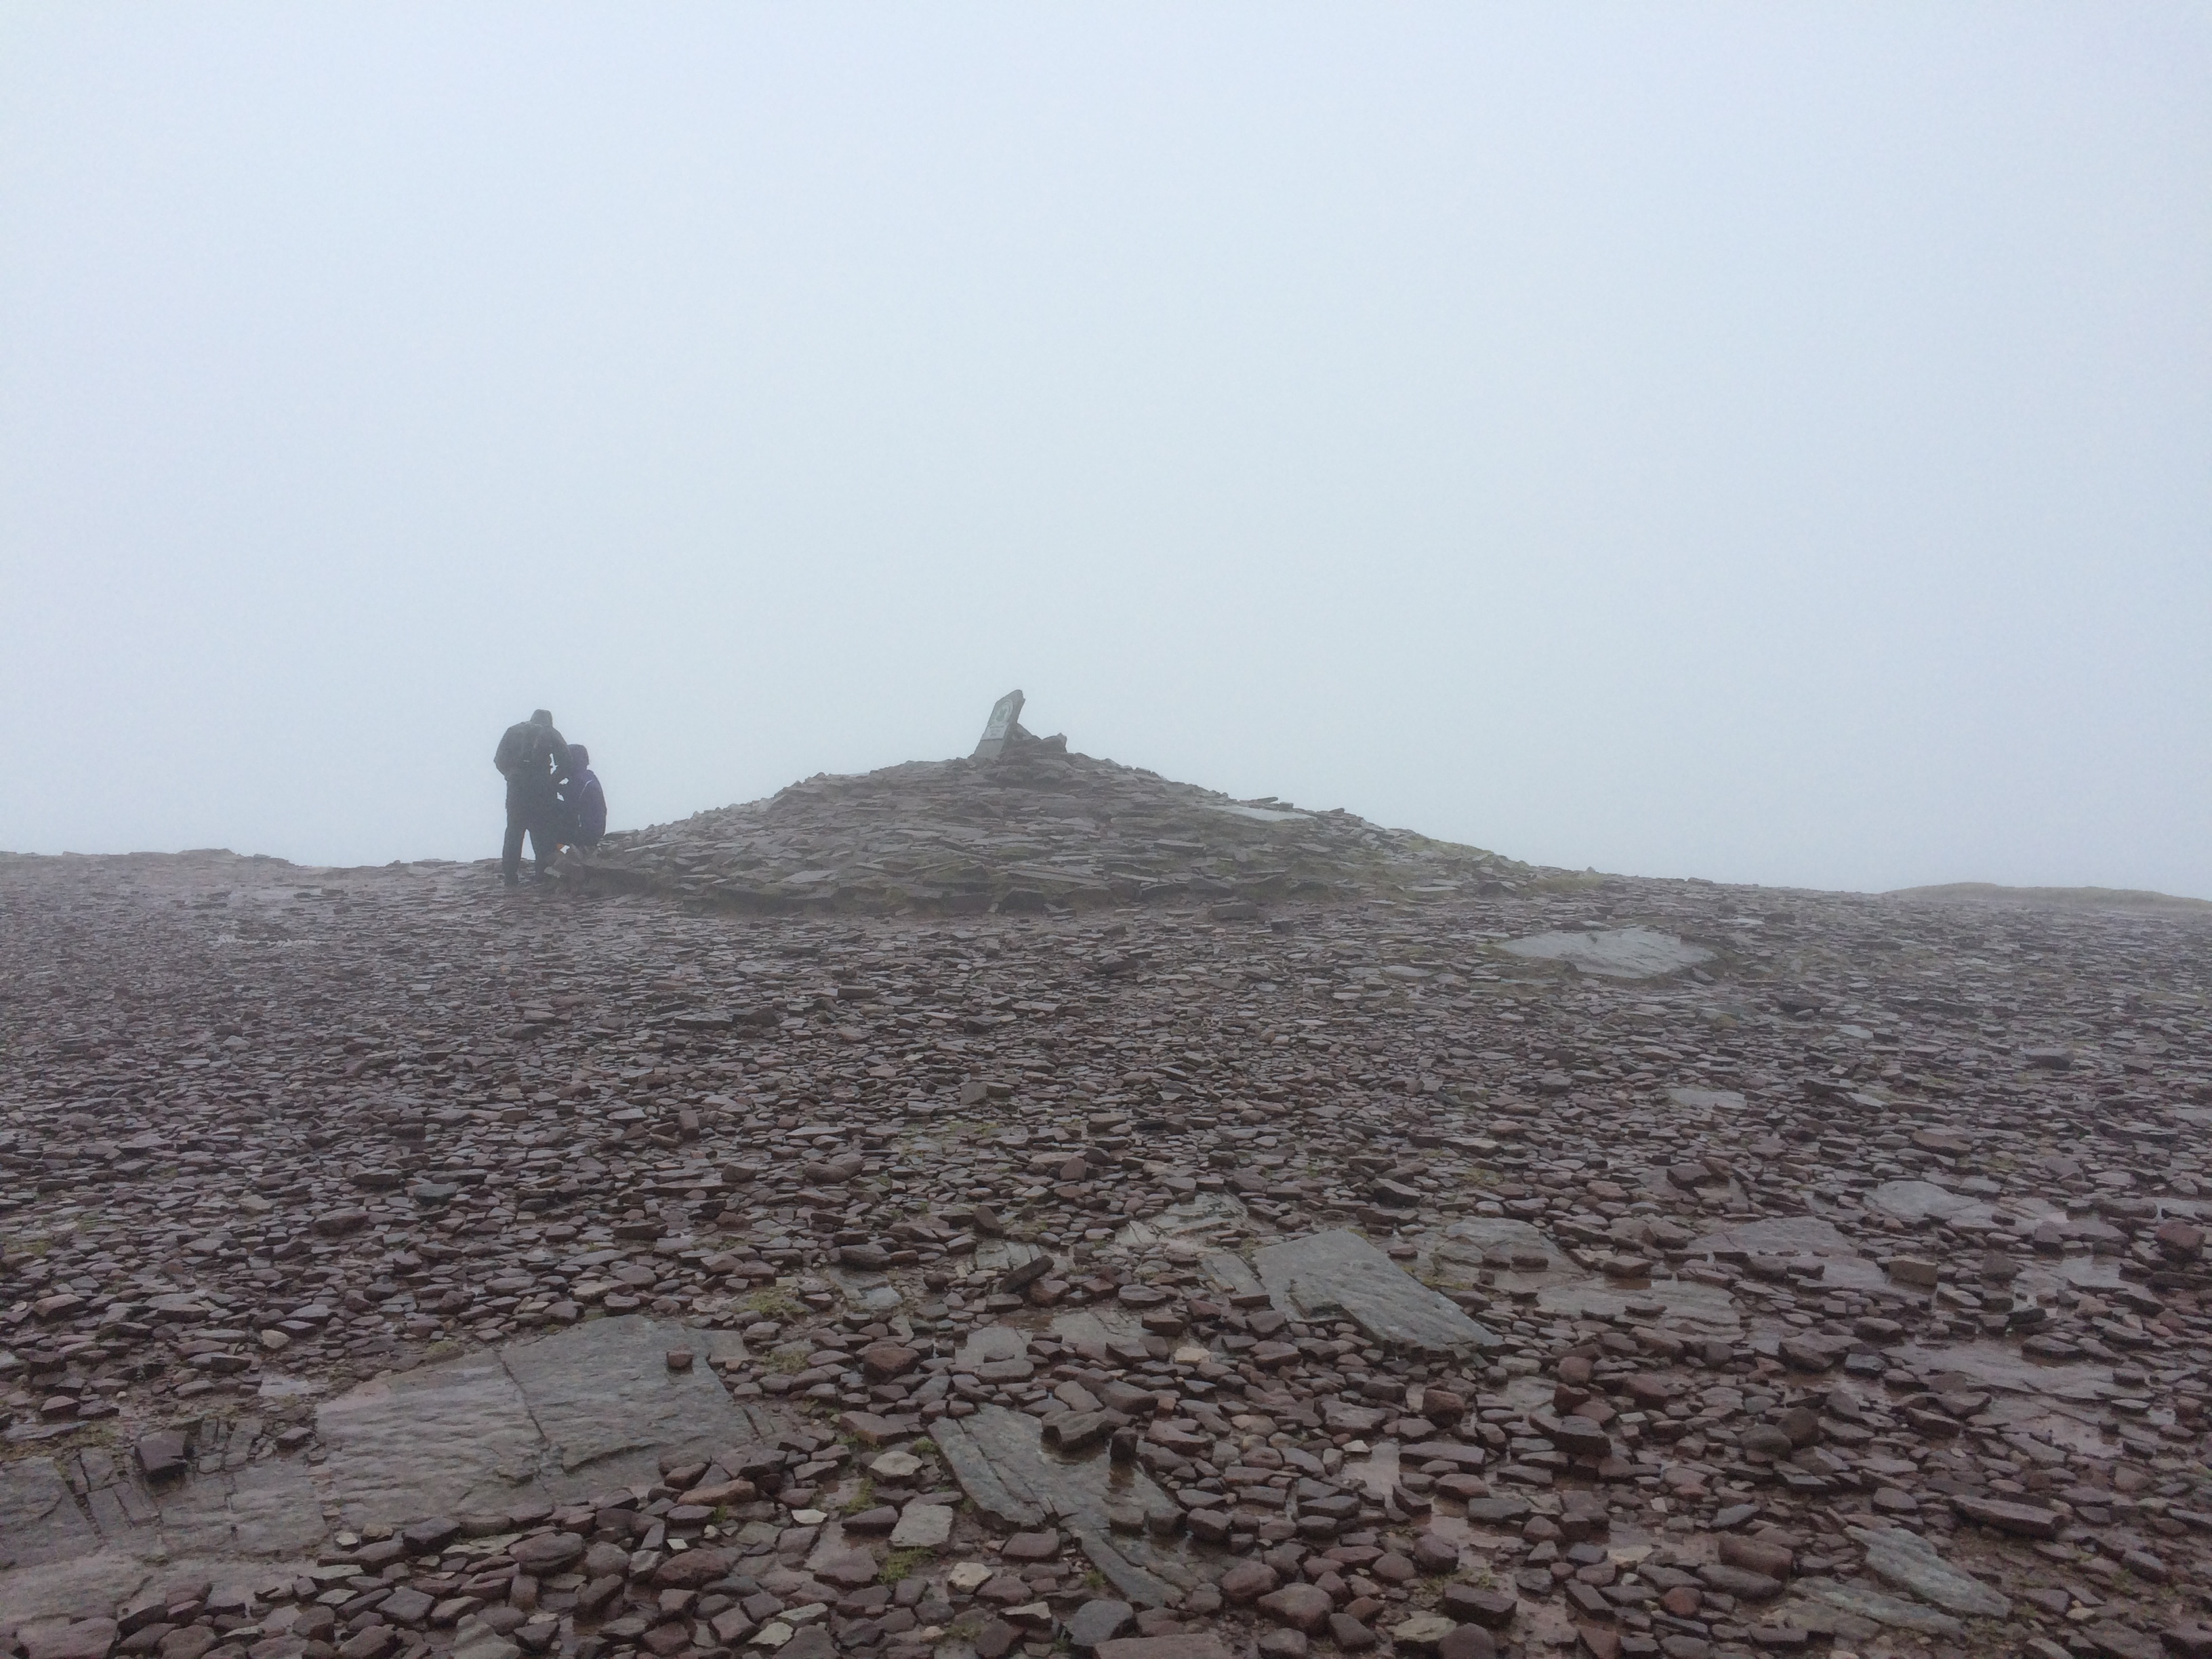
1027,824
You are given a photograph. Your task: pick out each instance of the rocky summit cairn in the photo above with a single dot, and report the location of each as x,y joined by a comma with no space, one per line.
1527,1263
1025,825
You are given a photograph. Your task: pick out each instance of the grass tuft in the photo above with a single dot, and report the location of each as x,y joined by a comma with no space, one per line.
771,1302
901,1564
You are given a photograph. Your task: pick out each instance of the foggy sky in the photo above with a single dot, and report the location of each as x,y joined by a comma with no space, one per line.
1770,444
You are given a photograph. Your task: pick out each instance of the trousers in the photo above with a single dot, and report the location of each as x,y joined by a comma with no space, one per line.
528,814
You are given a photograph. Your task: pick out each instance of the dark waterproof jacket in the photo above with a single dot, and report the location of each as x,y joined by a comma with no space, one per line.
530,757
587,804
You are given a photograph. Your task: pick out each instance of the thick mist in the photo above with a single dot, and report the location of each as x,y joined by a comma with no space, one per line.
1768,445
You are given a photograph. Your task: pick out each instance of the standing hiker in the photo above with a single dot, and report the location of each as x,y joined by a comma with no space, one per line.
530,756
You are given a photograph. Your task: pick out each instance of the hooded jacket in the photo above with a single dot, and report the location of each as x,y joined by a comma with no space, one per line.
530,756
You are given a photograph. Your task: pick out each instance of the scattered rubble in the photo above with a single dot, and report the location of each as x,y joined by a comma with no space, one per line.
391,1265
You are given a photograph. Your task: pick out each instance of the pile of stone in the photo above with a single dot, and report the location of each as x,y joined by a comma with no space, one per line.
1025,825
391,1265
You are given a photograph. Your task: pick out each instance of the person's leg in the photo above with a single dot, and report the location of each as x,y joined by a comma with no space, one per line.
510,852
544,835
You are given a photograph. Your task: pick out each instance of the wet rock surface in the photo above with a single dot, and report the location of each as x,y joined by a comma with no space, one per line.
1338,1274
392,1266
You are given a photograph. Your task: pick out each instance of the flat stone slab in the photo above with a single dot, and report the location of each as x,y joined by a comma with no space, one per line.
979,1475
1779,1235
2078,1273
1993,1365
439,1440
999,1255
1905,1561
922,1527
591,1406
267,1508
1798,1238
1703,1102
603,1388
102,1579
1000,1458
61,1552
1923,1200
1100,1325
1196,1645
1257,814
992,1344
1684,1303
1339,1274
1230,1272
1863,1602
1197,1220
39,1521
1098,1621
475,1639
1614,953
862,1288
1499,1243
1508,1250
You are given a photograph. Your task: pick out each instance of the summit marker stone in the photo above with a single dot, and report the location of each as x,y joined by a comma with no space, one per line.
1005,714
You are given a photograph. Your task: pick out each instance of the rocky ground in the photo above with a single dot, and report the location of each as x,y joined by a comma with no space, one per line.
395,1265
